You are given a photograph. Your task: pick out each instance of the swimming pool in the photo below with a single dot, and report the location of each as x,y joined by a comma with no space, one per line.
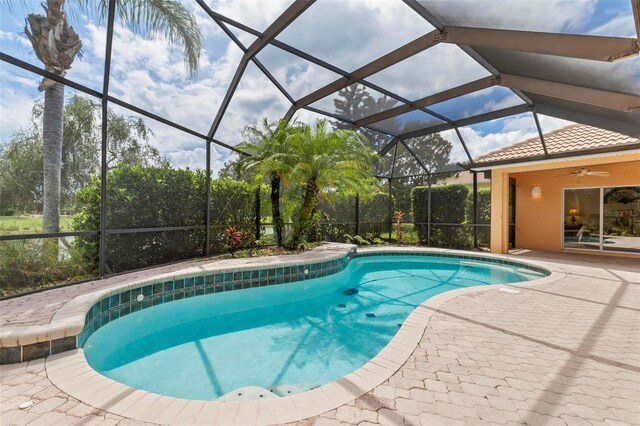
286,338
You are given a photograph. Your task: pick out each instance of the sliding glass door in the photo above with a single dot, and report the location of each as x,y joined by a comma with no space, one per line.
602,218
621,218
582,218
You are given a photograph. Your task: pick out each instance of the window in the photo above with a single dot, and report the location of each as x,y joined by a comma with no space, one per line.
606,219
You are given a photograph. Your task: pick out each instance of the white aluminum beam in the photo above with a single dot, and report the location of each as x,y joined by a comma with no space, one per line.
584,95
413,47
455,92
598,48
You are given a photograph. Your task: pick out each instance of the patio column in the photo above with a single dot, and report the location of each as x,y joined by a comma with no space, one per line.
499,211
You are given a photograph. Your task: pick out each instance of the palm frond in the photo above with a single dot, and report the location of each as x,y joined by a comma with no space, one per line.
153,18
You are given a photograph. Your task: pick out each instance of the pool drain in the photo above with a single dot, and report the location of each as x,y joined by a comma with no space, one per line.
370,315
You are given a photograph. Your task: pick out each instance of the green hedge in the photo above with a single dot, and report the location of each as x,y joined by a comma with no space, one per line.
341,217
153,197
374,208
484,206
340,209
448,205
484,215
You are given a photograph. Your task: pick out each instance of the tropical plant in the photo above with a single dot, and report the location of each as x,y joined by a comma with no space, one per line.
56,44
234,238
398,216
269,157
331,162
356,239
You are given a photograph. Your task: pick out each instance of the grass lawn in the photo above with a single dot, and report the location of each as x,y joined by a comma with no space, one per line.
30,224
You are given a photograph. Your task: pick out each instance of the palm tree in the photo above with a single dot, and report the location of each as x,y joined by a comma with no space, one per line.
338,161
270,158
56,44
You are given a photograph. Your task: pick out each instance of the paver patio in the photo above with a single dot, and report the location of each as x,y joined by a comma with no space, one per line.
566,352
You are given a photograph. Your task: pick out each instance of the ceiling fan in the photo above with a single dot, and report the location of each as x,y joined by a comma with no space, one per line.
585,172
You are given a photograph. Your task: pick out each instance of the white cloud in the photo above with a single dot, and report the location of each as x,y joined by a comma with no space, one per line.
194,159
492,105
436,69
352,33
299,76
549,124
619,26
256,14
523,122
514,129
15,113
148,74
6,35
256,97
458,155
19,89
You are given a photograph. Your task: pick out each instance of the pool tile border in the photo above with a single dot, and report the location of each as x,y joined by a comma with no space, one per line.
124,303
494,260
109,305
85,314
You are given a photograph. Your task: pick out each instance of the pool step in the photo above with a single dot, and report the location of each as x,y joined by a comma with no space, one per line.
248,393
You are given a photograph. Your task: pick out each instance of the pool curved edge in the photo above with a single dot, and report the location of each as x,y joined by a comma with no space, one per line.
71,373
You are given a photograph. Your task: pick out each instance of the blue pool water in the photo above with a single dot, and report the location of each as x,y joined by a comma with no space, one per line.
299,335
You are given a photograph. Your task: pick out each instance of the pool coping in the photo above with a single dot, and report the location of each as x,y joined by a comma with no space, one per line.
71,373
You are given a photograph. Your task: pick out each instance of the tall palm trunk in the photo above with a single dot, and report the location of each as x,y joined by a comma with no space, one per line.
278,222
52,127
305,217
56,44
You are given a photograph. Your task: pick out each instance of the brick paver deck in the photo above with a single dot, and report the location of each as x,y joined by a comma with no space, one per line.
560,353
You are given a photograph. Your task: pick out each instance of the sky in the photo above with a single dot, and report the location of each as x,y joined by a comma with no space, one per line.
149,74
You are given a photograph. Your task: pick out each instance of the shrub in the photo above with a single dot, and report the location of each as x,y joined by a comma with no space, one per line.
340,209
23,267
374,214
151,197
484,214
234,239
447,206
356,239
484,206
397,217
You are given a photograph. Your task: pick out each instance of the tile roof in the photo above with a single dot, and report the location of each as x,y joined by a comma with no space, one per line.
574,138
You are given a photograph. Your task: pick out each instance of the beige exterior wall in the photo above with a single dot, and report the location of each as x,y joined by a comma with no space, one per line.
539,219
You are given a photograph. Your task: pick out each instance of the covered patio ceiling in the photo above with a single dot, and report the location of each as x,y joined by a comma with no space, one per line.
512,66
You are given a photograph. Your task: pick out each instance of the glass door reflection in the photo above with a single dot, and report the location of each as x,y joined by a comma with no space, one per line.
582,218
621,218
